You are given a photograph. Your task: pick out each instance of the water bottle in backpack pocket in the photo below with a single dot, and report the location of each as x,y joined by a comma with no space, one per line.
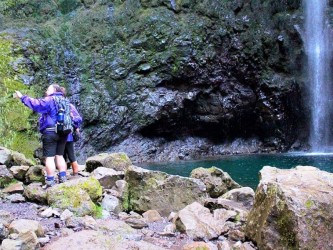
64,124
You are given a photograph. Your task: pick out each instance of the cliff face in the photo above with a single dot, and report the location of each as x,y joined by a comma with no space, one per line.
165,80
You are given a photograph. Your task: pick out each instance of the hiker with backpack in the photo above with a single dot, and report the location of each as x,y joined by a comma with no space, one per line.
72,137
54,127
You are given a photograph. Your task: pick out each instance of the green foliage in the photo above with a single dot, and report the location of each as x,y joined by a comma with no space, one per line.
16,129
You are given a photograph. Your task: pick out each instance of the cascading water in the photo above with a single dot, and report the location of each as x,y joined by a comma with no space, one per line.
318,49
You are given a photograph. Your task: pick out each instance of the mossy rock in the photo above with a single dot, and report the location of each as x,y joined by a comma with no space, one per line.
216,180
34,192
35,174
116,161
76,195
5,176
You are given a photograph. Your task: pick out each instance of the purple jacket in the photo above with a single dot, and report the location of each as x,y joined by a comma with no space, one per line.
77,120
46,106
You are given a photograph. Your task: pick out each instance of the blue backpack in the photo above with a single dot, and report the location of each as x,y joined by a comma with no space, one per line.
64,124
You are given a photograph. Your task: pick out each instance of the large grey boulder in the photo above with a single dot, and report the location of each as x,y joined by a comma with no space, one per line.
10,158
159,191
216,180
293,209
107,177
116,161
198,222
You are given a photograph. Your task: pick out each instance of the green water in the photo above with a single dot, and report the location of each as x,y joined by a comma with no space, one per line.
244,169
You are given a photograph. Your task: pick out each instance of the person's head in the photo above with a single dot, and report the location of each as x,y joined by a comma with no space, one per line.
53,88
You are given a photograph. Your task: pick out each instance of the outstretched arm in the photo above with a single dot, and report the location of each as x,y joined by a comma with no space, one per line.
38,105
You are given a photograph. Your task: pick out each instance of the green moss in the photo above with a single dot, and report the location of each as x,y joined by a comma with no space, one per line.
92,187
309,204
98,213
16,129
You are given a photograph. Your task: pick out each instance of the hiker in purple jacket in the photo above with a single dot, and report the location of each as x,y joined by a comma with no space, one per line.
53,143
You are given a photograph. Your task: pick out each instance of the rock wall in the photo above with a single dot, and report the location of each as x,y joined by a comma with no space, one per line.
173,79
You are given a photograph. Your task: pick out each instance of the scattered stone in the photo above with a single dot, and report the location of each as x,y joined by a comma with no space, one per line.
14,188
172,216
224,245
35,174
244,195
236,235
152,216
116,161
66,214
107,177
196,245
15,198
44,240
89,222
5,156
216,180
29,240
136,223
198,222
169,230
123,216
111,204
6,217
23,225
66,232
35,192
290,209
74,222
115,227
4,232
50,212
5,176
19,172
160,191
8,244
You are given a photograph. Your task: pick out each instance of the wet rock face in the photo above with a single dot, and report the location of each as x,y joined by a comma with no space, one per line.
176,69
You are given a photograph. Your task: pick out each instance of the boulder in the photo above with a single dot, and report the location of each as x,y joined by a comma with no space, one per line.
5,156
292,209
15,198
77,195
14,188
9,244
19,172
89,239
35,192
107,177
111,204
159,191
198,222
6,217
29,240
196,245
4,232
244,195
5,176
116,161
35,174
217,181
23,226
152,216
19,159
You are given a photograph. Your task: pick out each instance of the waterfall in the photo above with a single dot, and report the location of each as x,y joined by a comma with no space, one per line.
318,50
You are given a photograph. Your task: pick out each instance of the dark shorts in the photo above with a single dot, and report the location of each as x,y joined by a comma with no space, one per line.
53,144
69,152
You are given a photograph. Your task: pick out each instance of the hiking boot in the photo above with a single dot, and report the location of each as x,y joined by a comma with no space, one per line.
62,179
48,184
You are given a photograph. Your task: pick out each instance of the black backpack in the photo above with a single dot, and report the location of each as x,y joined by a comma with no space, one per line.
64,125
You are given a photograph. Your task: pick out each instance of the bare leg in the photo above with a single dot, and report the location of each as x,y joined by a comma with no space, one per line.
60,162
50,166
75,167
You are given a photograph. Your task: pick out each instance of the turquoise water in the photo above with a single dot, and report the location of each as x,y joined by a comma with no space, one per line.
244,169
